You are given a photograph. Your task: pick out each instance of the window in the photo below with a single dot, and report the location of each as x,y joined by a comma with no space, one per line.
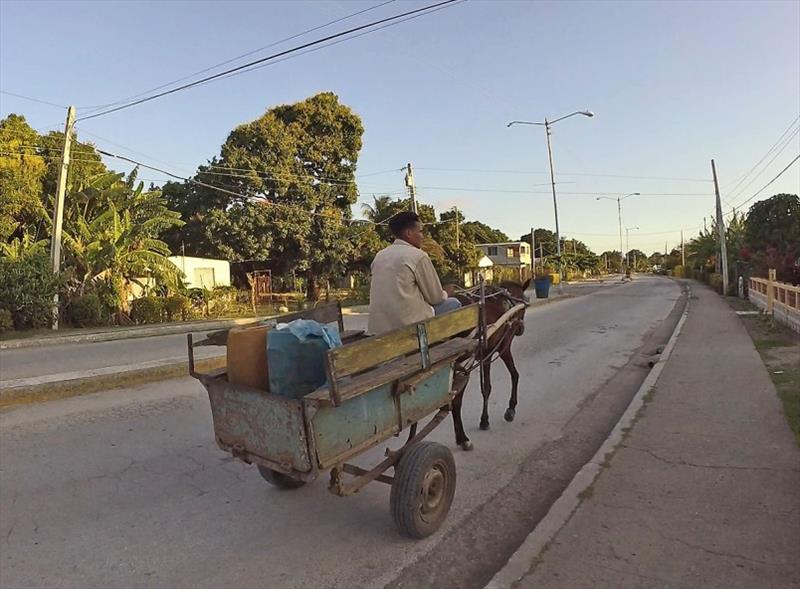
492,250
510,252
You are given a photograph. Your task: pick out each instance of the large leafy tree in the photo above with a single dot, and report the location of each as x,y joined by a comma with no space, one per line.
290,182
772,236
22,170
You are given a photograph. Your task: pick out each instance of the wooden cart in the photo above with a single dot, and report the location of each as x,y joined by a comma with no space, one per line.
377,387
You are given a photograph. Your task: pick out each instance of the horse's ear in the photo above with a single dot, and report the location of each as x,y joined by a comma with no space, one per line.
526,284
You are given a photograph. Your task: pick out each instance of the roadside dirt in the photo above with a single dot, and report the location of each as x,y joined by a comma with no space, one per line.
779,348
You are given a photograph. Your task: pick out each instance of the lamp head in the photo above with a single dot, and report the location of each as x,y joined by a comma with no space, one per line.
587,113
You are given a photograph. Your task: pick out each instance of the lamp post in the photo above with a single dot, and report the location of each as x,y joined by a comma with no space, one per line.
547,124
619,200
628,243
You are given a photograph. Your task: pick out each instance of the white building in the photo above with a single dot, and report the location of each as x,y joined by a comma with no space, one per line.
203,272
512,253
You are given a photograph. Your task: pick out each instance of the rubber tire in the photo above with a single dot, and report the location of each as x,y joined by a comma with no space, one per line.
406,494
278,479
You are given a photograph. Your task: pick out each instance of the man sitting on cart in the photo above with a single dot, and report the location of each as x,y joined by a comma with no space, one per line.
405,287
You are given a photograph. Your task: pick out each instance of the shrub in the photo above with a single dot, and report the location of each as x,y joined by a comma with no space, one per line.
85,311
27,286
6,321
147,310
177,307
715,281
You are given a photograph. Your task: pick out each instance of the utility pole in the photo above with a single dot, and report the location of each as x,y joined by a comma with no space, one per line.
458,246
555,201
412,191
683,252
721,233
533,254
58,212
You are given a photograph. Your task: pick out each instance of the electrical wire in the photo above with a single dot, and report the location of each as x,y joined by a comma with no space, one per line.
249,65
766,155
766,167
495,171
733,210
98,107
32,99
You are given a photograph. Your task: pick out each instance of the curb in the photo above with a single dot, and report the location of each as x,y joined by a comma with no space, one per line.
117,334
520,563
73,384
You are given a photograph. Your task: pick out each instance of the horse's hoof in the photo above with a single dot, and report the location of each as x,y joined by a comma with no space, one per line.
510,414
484,425
467,446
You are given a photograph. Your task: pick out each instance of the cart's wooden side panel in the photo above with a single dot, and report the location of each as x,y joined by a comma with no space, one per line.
357,424
371,352
259,427
341,432
427,395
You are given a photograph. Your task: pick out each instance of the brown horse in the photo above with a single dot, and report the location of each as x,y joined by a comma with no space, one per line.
499,300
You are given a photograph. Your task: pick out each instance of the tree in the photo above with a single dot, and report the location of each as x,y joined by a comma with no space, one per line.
112,241
613,259
299,160
478,232
772,236
21,177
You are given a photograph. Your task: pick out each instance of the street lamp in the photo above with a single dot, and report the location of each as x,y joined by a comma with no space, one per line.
619,200
547,124
628,244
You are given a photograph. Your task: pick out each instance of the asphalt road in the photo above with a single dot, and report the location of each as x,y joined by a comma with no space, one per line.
39,361
128,489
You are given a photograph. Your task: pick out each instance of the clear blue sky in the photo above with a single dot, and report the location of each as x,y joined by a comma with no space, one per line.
673,85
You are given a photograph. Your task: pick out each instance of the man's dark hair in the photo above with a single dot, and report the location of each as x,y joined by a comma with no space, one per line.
402,221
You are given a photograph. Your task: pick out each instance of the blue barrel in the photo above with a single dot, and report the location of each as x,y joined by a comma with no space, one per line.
542,287
295,368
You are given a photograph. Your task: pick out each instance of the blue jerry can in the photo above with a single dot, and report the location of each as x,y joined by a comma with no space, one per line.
296,367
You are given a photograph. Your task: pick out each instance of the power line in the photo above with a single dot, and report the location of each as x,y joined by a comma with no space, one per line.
496,171
292,50
766,167
766,155
32,99
98,107
765,186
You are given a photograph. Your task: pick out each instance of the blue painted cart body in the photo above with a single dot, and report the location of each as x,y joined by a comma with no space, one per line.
377,388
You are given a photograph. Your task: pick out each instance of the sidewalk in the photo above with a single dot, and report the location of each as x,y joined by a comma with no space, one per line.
704,491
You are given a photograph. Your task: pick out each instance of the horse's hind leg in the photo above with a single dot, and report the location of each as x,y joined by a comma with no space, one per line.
461,437
487,380
508,360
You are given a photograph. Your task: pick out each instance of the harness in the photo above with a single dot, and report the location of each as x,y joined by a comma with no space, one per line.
509,301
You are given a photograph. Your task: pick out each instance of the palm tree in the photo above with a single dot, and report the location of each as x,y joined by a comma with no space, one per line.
113,236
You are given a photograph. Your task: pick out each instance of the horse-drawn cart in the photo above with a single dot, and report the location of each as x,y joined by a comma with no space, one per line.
376,388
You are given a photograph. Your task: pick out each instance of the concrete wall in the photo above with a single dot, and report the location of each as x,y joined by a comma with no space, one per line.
203,272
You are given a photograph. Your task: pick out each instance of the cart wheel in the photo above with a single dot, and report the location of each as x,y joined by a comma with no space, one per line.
423,489
278,479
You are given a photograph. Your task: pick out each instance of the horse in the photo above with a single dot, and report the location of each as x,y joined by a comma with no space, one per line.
498,300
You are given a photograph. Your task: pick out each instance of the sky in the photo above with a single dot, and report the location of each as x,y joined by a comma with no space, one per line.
673,85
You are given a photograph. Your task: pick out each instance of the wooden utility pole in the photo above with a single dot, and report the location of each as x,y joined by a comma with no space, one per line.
533,254
458,246
58,211
723,246
412,191
683,253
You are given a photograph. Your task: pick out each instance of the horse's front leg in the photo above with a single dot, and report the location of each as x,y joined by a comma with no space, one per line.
487,385
508,360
